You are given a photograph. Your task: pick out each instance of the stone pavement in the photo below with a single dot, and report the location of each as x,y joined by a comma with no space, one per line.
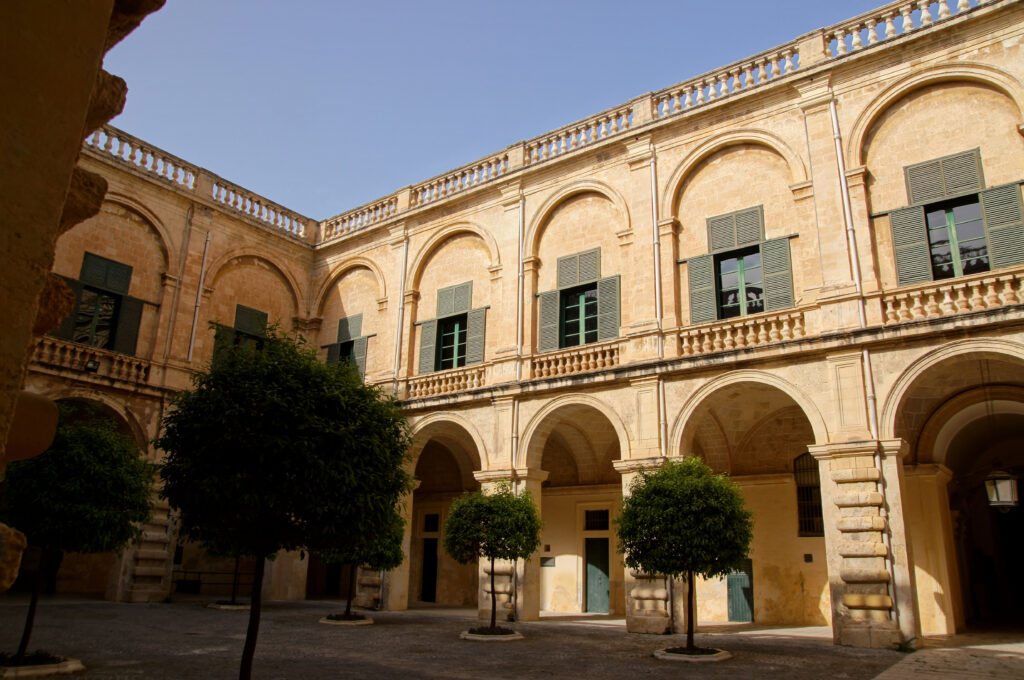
188,640
963,657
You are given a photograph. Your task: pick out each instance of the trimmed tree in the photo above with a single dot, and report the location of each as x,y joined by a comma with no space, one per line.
500,526
683,520
90,492
273,450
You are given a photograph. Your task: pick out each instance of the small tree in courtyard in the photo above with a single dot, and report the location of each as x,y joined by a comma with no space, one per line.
682,520
273,450
500,526
89,492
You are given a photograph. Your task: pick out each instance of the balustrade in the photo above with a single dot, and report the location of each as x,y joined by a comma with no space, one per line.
91,360
886,23
113,143
459,180
577,360
579,135
255,206
953,297
446,382
360,218
741,332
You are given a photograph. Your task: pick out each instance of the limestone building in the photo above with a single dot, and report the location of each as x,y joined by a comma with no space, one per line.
804,267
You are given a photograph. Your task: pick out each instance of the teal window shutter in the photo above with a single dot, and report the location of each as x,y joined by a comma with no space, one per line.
547,321
703,301
445,302
1004,222
333,352
129,317
749,226
910,244
249,320
945,177
589,267
722,232
359,354
105,273
454,299
350,327
223,337
778,274
428,340
568,271
475,323
66,330
736,229
608,308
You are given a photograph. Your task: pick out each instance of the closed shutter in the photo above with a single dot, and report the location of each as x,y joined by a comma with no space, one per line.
129,316
333,353
924,182
350,327
910,243
778,274
944,177
454,299
249,320
703,301
359,354
1004,221
547,326
589,265
568,271
736,229
428,338
66,330
475,326
749,226
105,273
722,232
445,302
608,308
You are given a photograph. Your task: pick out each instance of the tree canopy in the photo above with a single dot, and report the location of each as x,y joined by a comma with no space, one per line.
273,450
684,520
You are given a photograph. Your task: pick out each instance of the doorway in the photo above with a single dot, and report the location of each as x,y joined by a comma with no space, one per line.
597,584
740,585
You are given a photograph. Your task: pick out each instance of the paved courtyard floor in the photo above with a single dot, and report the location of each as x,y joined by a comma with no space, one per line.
189,640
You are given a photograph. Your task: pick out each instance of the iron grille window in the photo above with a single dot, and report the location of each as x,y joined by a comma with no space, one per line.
808,496
595,520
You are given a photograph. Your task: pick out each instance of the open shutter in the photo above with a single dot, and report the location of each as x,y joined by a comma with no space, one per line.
778,274
249,320
749,226
66,330
944,177
105,273
568,271
462,298
428,338
589,265
703,301
333,352
359,354
722,232
475,326
910,243
129,316
1004,221
924,182
547,326
223,337
608,308
445,302
350,327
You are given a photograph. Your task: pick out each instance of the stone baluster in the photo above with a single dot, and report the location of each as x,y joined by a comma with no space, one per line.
943,9
932,307
963,6
926,14
751,338
890,25
762,67
840,43
857,42
976,289
787,333
908,19
872,32
748,74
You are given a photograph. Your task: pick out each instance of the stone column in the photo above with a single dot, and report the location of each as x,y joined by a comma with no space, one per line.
649,597
395,588
503,570
528,571
869,564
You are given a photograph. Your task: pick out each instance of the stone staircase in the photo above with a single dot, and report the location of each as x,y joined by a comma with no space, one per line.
152,563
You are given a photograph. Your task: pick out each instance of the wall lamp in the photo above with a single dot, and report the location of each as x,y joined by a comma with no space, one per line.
1001,488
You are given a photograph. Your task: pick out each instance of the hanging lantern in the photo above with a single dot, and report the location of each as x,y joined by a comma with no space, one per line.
1001,488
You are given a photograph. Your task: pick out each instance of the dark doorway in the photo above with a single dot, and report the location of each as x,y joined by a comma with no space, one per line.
326,580
428,586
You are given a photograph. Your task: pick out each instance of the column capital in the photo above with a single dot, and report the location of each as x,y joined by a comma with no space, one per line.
531,474
486,476
895,447
867,447
637,464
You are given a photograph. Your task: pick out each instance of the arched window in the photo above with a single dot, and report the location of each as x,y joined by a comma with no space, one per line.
808,496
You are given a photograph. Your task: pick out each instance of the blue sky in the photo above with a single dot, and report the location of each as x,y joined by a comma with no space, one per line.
324,106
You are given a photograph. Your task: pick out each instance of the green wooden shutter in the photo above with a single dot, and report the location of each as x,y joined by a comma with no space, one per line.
249,320
924,182
722,232
475,326
359,354
608,308
66,330
749,226
778,274
910,243
350,327
568,271
445,302
547,321
333,352
106,273
129,316
589,268
945,177
703,300
223,337
736,229
428,339
1004,221
462,297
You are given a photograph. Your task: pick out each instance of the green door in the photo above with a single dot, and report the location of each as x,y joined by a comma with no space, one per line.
741,593
597,575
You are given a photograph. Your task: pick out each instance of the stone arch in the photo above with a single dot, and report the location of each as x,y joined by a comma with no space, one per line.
219,265
902,386
440,423
531,239
541,425
797,169
345,267
440,236
806,404
958,412
154,223
121,410
991,76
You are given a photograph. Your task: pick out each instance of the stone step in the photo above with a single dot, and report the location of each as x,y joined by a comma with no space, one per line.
155,572
152,554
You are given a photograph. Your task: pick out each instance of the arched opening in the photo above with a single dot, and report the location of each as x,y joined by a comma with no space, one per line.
581,570
444,470
964,420
759,435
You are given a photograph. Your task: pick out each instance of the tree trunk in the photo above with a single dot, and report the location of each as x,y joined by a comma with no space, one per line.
234,584
30,619
691,589
351,589
255,601
494,598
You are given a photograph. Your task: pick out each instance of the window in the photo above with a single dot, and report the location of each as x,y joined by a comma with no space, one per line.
104,315
583,309
351,343
953,225
808,496
455,338
744,273
249,330
595,520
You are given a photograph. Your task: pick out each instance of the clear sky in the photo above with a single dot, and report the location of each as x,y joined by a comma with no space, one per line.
325,105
